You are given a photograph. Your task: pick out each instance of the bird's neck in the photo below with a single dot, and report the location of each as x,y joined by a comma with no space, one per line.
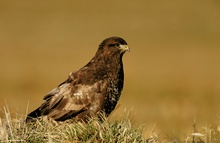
110,66
115,70
113,63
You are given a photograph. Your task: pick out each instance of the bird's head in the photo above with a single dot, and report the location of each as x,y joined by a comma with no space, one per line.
114,44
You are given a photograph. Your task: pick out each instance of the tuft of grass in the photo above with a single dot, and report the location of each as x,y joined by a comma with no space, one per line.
95,130
205,134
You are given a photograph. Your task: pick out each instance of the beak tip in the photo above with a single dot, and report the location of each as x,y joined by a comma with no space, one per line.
128,49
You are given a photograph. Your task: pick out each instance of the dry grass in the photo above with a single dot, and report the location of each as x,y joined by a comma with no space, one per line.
95,130
14,129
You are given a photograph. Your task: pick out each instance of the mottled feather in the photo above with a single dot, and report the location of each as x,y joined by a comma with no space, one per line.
95,87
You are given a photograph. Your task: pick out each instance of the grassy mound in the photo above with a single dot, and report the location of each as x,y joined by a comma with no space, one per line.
16,130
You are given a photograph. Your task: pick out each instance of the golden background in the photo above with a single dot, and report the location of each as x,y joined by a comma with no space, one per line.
172,74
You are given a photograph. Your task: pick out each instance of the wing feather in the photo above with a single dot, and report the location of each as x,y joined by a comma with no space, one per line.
67,100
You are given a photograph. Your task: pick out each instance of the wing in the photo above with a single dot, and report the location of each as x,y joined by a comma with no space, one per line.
69,100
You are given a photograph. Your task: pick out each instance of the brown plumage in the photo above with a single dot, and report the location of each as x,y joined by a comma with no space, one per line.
95,87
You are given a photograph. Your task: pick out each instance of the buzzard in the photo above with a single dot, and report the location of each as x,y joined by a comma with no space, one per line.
95,87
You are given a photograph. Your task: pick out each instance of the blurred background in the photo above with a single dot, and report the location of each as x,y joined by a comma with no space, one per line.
172,74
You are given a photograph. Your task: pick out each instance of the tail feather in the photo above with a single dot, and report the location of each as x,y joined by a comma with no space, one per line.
36,113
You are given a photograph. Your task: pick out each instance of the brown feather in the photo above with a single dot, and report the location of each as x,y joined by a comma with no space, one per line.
95,87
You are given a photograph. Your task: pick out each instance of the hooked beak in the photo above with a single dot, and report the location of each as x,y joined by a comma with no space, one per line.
124,48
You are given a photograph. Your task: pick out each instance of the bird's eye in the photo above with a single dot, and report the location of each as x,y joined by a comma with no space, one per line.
114,45
117,45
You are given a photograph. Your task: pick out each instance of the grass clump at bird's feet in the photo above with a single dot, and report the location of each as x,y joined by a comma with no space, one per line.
16,130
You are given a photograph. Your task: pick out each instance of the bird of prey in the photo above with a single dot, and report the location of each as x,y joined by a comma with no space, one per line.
94,88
